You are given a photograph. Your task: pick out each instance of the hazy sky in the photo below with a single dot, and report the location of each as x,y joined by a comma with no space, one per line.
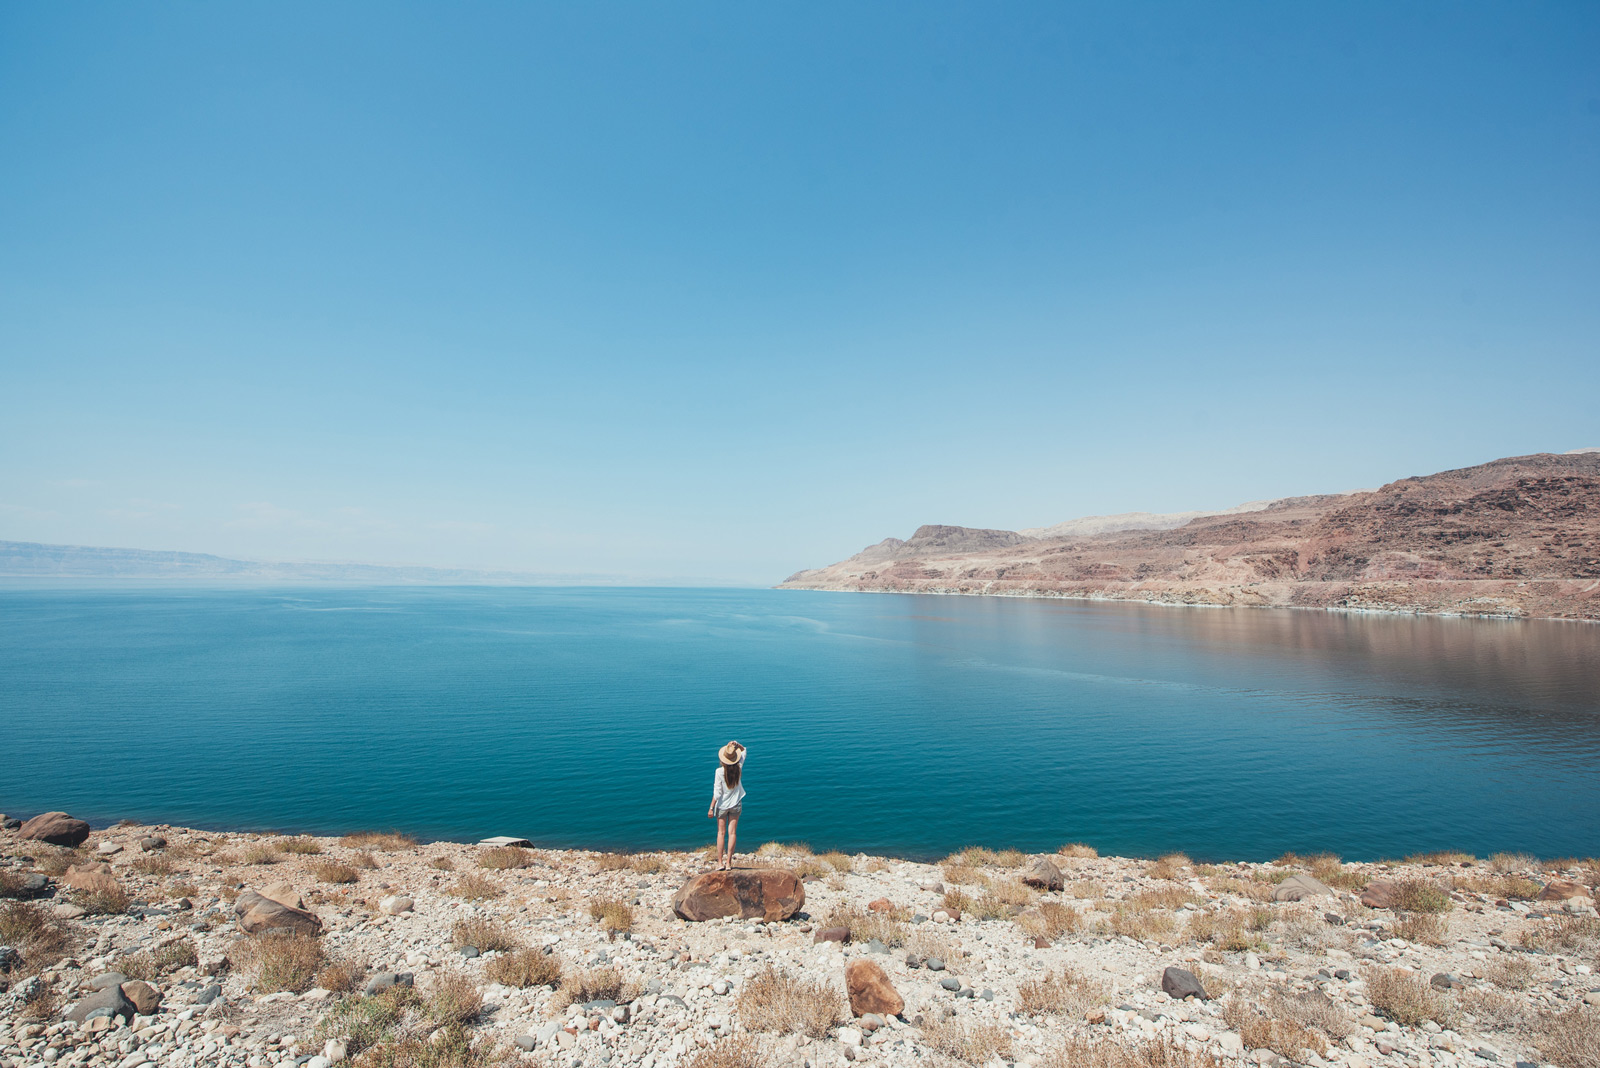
725,291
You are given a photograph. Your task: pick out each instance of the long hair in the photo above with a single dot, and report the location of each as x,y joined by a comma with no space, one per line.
730,775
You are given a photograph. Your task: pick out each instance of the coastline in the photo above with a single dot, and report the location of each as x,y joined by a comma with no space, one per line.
1498,952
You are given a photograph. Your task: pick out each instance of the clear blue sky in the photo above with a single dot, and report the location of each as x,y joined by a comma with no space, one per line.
694,291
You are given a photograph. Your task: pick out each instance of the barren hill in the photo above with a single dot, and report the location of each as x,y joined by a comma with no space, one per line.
1515,537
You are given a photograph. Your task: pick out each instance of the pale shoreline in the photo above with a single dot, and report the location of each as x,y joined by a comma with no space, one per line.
1116,925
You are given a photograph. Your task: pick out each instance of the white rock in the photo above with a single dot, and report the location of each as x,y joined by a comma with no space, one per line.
319,1061
849,1036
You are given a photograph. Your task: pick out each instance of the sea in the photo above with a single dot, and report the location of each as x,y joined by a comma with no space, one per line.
907,725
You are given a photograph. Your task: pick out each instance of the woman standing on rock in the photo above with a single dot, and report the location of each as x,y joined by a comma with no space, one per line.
727,798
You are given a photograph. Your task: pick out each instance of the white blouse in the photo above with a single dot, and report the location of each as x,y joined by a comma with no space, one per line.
722,798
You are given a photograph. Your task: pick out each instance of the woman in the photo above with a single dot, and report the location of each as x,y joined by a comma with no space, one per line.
727,797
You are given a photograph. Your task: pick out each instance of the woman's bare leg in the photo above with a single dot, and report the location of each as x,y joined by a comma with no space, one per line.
722,832
733,834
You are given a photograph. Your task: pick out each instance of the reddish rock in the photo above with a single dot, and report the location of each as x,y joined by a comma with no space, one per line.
146,998
285,895
871,991
1561,890
880,905
764,893
1045,875
257,913
1380,895
1041,942
832,934
91,878
56,828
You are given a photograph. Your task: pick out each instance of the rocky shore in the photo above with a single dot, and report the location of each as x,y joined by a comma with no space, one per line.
139,945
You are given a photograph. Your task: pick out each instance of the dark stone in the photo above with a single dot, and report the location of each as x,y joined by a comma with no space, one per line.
1045,875
1333,918
876,946
1180,983
950,982
10,823
468,951
32,886
1444,981
111,999
152,843
935,964
56,828
987,995
381,981
8,958
107,979
209,994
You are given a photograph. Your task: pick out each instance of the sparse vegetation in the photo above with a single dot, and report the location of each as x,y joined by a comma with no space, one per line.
339,976
735,1051
443,863
1141,924
364,861
300,846
1509,972
153,864
483,935
383,841
1078,850
592,984
615,916
152,964
1228,930
505,858
776,1001
34,933
1086,889
1421,895
1404,997
1573,933
975,1043
108,900
475,887
523,968
1570,1039
331,871
1279,1028
1050,920
866,925
1429,928
1505,863
1080,1051
279,961
1170,866
259,853
1068,993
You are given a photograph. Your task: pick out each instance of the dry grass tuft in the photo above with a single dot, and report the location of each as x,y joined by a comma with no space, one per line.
1003,899
1447,857
524,968
259,853
110,901
365,861
475,887
1429,928
483,935
300,846
1509,972
647,863
838,861
454,999
40,937
340,976
1169,866
383,841
452,1046
1078,850
959,900
1050,920
505,858
735,1051
1510,887
1576,933
1492,1008
615,916
153,864
1068,993
975,1043
1165,897
1570,1039
278,961
592,984
331,871
1404,997
809,867
776,1001
1505,863
1421,895
1080,1051
865,925
1274,1029
964,875
1141,924
443,863
1228,930
150,965
1086,889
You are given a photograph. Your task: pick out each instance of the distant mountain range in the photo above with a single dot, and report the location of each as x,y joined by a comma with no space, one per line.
25,559
1515,537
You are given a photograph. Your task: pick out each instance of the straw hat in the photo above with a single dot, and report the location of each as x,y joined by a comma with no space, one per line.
731,753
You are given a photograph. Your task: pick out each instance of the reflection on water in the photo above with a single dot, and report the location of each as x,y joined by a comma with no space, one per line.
905,724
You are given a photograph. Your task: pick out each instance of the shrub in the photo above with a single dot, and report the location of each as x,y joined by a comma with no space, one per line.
1571,1039
1404,997
1078,850
301,846
1068,993
340,976
1581,933
111,900
152,964
960,901
1003,899
1085,889
838,861
453,1046
279,961
1494,1009
964,875
809,867
475,887
1009,858
503,858
647,863
443,863
1326,866
153,864
1276,1031
1228,930
383,841
615,916
523,968
365,861
1141,924
483,935
1081,1051
735,1051
42,1003
866,925
1509,972
1505,863
1165,897
1421,895
331,871
1429,928
775,1001
365,1021
454,999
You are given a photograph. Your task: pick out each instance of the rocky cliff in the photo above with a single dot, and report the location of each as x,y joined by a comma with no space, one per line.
1515,537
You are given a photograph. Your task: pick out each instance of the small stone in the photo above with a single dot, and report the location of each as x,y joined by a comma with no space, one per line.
875,946
831,934
468,951
880,905
107,849
849,1036
1180,983
526,1043
110,1002
145,997
934,964
871,991
1044,874
950,982
107,979
208,994
395,904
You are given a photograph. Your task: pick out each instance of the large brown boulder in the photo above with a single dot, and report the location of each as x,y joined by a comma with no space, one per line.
1300,886
753,893
146,999
871,991
1045,875
56,828
1562,890
257,913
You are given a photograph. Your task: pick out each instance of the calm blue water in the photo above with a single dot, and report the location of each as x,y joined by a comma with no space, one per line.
908,725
